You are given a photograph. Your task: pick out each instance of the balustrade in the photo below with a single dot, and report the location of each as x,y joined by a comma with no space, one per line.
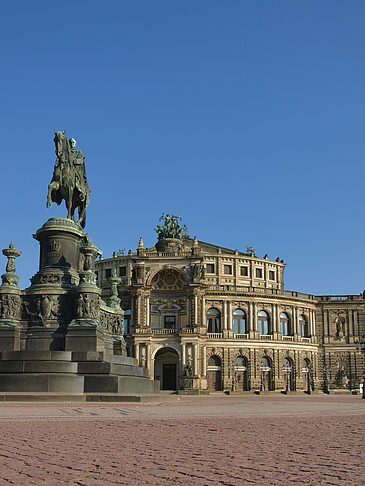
214,335
241,336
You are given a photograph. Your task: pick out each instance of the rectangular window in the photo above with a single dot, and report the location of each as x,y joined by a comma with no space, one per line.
210,267
169,322
244,271
227,269
122,271
272,275
97,274
259,273
108,272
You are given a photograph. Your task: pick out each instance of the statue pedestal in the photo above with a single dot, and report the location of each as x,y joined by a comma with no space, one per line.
60,241
9,336
48,338
82,336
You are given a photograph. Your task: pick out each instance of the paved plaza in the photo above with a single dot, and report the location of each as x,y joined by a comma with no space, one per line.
216,440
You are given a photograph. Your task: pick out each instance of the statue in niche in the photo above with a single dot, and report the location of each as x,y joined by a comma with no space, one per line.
86,305
340,327
202,272
79,306
45,307
136,273
195,269
188,370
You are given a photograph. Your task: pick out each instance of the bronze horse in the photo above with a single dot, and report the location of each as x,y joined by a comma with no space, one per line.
63,185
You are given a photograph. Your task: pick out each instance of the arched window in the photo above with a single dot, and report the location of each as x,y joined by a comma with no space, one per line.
303,326
265,362
127,321
213,320
285,324
214,361
306,364
240,362
287,363
239,322
263,323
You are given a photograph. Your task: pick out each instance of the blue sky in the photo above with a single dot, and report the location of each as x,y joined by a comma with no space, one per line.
246,118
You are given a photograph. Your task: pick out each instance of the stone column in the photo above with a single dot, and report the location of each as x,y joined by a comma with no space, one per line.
224,316
187,311
183,355
147,303
274,321
195,309
229,315
278,335
295,324
202,311
204,352
133,306
136,352
196,353
148,358
143,357
138,310
254,320
313,323
251,320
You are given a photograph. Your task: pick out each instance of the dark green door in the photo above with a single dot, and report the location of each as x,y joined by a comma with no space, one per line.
169,377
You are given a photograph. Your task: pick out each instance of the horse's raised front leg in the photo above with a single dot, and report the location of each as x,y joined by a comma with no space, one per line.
53,185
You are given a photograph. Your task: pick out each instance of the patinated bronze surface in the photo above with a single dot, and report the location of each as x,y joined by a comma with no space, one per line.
69,181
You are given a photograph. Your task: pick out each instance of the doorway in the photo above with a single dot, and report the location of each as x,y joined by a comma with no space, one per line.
166,368
169,376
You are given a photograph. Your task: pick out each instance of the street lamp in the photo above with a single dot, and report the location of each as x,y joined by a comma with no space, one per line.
360,347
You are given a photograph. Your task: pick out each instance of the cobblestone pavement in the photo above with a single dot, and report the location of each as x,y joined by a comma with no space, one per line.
194,441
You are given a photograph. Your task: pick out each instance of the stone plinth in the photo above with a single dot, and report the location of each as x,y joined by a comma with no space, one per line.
60,241
169,245
85,336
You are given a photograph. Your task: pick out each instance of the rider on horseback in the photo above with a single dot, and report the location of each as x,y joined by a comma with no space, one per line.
78,161
69,181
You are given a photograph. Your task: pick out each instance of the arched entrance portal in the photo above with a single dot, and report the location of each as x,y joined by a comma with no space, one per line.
166,368
240,374
214,373
266,384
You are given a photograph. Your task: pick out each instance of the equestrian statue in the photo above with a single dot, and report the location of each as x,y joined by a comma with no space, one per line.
69,182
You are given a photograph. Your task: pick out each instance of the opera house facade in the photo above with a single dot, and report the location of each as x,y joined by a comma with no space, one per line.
200,317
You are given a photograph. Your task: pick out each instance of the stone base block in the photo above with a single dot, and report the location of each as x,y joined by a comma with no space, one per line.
33,382
9,338
84,338
44,339
118,384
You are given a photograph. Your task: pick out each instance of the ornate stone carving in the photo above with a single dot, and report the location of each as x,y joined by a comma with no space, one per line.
112,322
10,306
10,278
87,306
214,352
114,300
